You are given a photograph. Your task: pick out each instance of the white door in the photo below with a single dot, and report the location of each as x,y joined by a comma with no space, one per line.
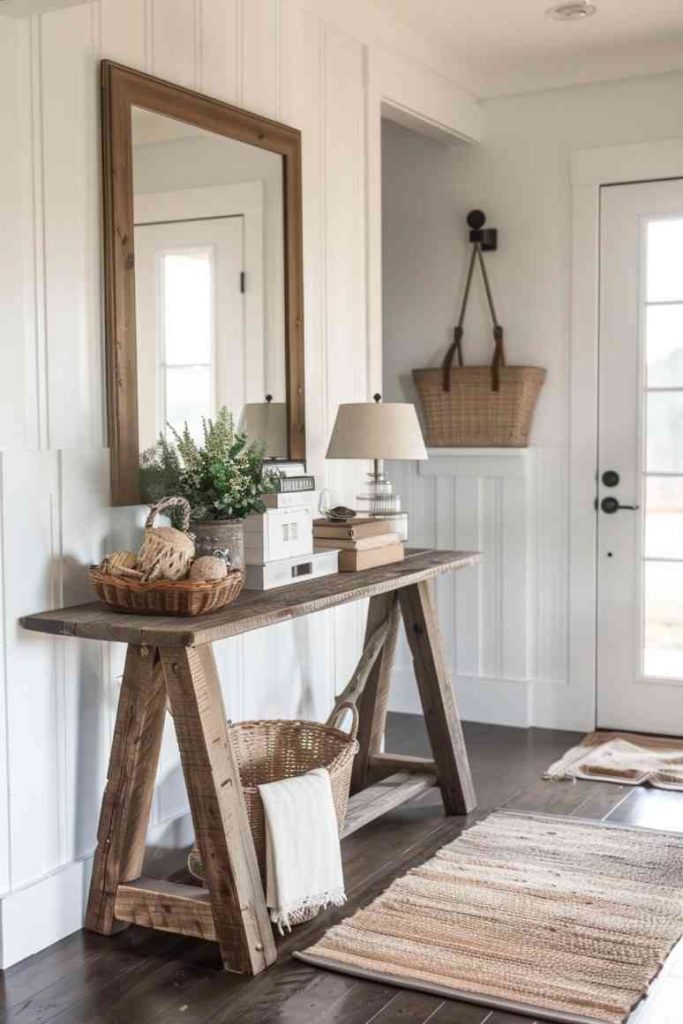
640,459
190,322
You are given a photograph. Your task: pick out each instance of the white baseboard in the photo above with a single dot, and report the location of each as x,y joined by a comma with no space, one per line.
480,698
53,907
539,703
556,705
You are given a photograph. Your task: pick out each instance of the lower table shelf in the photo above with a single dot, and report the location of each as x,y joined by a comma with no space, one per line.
186,909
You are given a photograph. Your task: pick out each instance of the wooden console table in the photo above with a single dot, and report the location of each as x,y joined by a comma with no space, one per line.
173,658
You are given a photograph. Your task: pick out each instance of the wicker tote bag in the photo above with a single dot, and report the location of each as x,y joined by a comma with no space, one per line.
478,406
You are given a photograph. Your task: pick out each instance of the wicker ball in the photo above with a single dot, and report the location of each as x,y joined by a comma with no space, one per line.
166,553
208,568
119,563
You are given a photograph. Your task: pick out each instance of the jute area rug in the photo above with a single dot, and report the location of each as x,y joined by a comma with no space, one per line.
625,758
557,918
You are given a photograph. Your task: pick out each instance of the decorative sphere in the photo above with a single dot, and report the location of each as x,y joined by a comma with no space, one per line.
207,569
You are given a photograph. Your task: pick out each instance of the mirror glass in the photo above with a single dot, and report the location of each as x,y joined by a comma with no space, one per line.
209,281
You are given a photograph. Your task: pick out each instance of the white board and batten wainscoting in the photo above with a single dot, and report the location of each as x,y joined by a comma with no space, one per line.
324,75
505,621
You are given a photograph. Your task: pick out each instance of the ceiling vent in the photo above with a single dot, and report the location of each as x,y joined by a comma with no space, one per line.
571,10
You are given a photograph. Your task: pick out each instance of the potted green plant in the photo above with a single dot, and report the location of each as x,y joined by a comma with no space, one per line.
222,478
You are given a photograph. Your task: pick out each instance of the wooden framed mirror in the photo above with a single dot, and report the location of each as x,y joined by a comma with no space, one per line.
203,270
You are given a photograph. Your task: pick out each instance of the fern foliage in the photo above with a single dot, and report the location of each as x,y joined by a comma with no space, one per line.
222,478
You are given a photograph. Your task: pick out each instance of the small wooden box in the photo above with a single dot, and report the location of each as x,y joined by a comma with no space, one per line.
291,570
278,533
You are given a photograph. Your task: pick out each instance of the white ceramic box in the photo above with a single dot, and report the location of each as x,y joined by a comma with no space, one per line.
278,533
291,570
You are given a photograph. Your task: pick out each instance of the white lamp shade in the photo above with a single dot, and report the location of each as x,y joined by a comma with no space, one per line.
376,430
267,422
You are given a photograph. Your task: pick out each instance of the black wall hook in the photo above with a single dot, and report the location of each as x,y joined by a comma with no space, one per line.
487,237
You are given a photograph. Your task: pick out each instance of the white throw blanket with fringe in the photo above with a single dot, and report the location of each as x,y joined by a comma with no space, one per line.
303,855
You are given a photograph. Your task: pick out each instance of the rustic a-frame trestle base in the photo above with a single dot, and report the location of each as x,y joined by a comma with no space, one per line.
170,663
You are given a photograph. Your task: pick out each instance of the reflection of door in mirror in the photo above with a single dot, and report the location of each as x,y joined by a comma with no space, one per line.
189,330
209,276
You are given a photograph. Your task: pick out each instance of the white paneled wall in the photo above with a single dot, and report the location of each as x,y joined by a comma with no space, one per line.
504,623
58,697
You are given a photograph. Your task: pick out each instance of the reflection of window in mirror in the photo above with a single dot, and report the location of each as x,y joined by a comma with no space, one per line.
209,276
186,360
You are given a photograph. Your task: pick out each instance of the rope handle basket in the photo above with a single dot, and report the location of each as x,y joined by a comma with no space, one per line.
456,347
270,751
338,714
175,501
489,406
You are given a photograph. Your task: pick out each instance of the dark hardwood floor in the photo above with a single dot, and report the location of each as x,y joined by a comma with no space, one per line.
140,977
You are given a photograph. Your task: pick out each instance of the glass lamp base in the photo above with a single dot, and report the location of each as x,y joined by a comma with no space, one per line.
379,502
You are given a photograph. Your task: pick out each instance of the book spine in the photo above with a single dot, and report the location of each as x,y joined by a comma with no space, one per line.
290,484
290,499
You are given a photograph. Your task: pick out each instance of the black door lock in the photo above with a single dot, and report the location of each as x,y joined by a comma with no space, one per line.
610,478
611,505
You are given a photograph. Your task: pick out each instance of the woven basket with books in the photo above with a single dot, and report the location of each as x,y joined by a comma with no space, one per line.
363,543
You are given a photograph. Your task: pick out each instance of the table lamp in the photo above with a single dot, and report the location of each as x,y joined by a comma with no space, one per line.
266,422
378,431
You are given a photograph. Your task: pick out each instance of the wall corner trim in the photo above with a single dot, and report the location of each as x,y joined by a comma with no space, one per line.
630,162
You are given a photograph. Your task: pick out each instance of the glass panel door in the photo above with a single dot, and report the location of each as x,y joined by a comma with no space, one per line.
663,471
640,459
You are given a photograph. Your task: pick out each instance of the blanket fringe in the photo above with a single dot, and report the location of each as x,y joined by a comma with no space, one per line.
287,917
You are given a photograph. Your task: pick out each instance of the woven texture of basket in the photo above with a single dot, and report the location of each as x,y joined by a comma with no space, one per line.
478,406
269,751
471,414
166,553
163,597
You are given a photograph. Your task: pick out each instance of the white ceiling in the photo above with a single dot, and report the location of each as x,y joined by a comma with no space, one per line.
508,46
500,47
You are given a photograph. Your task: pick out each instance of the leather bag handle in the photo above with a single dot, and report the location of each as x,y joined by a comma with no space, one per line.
455,349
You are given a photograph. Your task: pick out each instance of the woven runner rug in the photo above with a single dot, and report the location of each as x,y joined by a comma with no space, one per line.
557,918
625,758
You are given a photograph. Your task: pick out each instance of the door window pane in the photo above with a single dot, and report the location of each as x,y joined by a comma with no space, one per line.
665,260
664,619
188,397
665,346
187,307
664,520
665,432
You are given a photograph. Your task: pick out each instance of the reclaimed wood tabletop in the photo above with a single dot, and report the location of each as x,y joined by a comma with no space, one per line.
254,609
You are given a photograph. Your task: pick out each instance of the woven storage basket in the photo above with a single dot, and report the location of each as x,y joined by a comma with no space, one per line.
269,751
471,414
478,406
164,597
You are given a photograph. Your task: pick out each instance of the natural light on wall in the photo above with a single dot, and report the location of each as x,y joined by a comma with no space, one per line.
663,556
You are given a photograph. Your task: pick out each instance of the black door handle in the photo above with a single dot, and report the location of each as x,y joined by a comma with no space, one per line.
611,505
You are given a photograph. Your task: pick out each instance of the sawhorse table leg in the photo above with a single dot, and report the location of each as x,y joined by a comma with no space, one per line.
450,765
233,912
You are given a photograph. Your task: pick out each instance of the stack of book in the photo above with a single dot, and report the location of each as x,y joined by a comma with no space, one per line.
362,543
278,543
